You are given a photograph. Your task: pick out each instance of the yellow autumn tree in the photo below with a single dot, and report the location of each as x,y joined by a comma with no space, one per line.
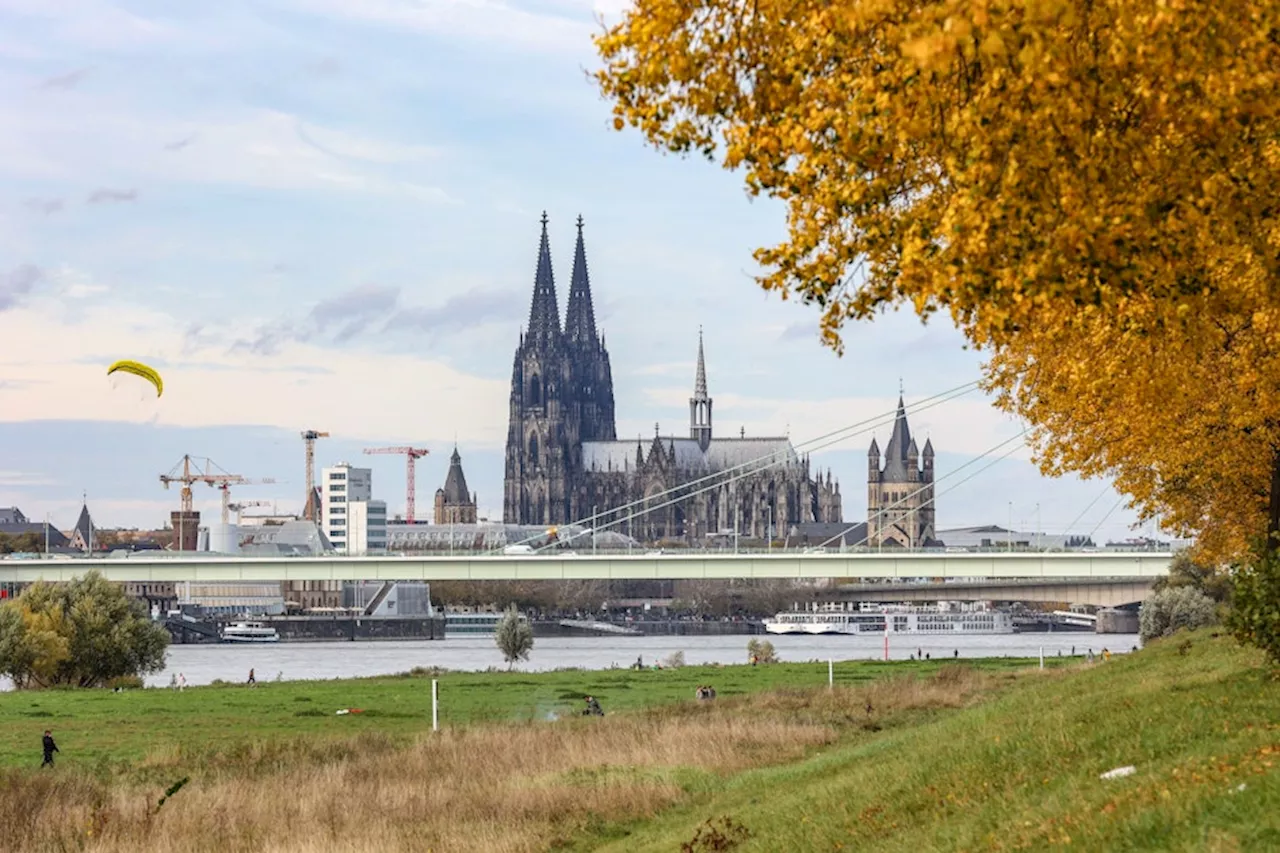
1089,188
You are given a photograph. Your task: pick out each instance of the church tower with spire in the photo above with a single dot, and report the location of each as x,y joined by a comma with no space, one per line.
538,435
561,395
592,376
700,403
900,505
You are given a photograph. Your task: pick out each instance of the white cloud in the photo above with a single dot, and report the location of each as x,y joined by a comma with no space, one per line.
56,370
248,146
479,20
26,479
72,283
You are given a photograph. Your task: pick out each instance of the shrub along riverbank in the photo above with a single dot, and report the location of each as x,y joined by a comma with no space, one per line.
899,756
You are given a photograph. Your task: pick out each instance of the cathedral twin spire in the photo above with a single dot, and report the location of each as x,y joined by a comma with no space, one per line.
579,328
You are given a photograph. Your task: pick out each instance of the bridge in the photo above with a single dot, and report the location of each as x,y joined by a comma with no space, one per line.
1099,592
562,566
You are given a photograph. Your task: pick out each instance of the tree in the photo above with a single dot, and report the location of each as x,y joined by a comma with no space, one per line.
514,637
1255,617
1090,188
83,633
1184,571
1171,610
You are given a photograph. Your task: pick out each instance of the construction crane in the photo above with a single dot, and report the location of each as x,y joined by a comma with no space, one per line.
412,455
198,469
309,507
226,495
238,506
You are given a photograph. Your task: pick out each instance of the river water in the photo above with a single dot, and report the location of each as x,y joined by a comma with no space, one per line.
201,664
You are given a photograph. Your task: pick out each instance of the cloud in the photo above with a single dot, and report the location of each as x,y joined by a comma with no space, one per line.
109,196
373,310
47,206
179,144
65,81
804,330
17,284
461,312
247,146
70,283
26,479
63,358
351,313
489,21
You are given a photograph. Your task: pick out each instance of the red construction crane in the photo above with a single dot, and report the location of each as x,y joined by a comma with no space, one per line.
309,508
412,454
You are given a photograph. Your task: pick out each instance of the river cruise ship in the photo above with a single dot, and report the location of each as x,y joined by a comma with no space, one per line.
905,621
473,624
249,632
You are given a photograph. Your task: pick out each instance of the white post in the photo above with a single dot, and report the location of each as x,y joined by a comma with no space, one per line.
435,705
1042,657
831,673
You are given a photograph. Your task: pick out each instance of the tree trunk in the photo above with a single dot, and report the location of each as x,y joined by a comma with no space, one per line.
1273,510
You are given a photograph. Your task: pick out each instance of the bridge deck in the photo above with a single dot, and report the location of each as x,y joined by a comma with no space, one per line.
1115,564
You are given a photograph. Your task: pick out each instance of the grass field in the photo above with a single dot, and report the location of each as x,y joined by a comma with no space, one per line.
116,731
903,756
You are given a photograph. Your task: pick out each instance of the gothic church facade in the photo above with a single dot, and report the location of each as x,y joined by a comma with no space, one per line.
565,463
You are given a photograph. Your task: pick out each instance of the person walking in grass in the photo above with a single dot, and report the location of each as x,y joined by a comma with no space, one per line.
49,749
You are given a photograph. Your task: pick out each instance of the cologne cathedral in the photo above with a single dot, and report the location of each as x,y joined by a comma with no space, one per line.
565,463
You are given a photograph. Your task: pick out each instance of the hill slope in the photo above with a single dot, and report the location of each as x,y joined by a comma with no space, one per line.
1196,715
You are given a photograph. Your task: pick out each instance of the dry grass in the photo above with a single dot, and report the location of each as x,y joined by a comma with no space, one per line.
493,788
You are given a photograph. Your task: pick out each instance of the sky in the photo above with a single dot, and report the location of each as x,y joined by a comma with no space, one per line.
324,214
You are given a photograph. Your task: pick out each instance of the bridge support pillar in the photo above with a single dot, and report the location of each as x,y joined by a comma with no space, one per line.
1116,622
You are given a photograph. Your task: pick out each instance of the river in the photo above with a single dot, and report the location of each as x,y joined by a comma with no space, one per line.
202,664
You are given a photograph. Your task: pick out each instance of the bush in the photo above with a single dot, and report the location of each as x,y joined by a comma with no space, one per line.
761,650
514,637
125,682
1255,613
1172,609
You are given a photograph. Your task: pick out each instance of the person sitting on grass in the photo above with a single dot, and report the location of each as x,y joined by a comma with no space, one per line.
593,708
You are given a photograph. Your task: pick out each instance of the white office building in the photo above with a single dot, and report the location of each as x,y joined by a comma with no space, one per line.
354,522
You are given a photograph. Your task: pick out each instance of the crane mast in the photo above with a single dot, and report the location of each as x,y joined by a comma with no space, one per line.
309,436
412,455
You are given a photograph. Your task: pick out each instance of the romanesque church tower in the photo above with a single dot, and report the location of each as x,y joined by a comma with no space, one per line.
900,507
561,395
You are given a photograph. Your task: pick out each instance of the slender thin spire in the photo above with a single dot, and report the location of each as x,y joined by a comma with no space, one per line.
544,311
700,380
580,315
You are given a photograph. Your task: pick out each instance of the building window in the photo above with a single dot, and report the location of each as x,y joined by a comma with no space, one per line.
337,499
338,475
337,487
535,391
533,450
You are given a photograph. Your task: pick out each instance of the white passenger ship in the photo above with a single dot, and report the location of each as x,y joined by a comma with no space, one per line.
916,620
249,632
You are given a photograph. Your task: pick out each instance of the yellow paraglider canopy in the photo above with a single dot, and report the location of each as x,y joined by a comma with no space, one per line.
137,368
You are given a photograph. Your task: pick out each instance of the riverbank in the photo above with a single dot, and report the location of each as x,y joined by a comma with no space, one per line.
904,756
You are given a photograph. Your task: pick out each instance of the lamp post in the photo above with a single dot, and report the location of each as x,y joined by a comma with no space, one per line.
595,522
1009,536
